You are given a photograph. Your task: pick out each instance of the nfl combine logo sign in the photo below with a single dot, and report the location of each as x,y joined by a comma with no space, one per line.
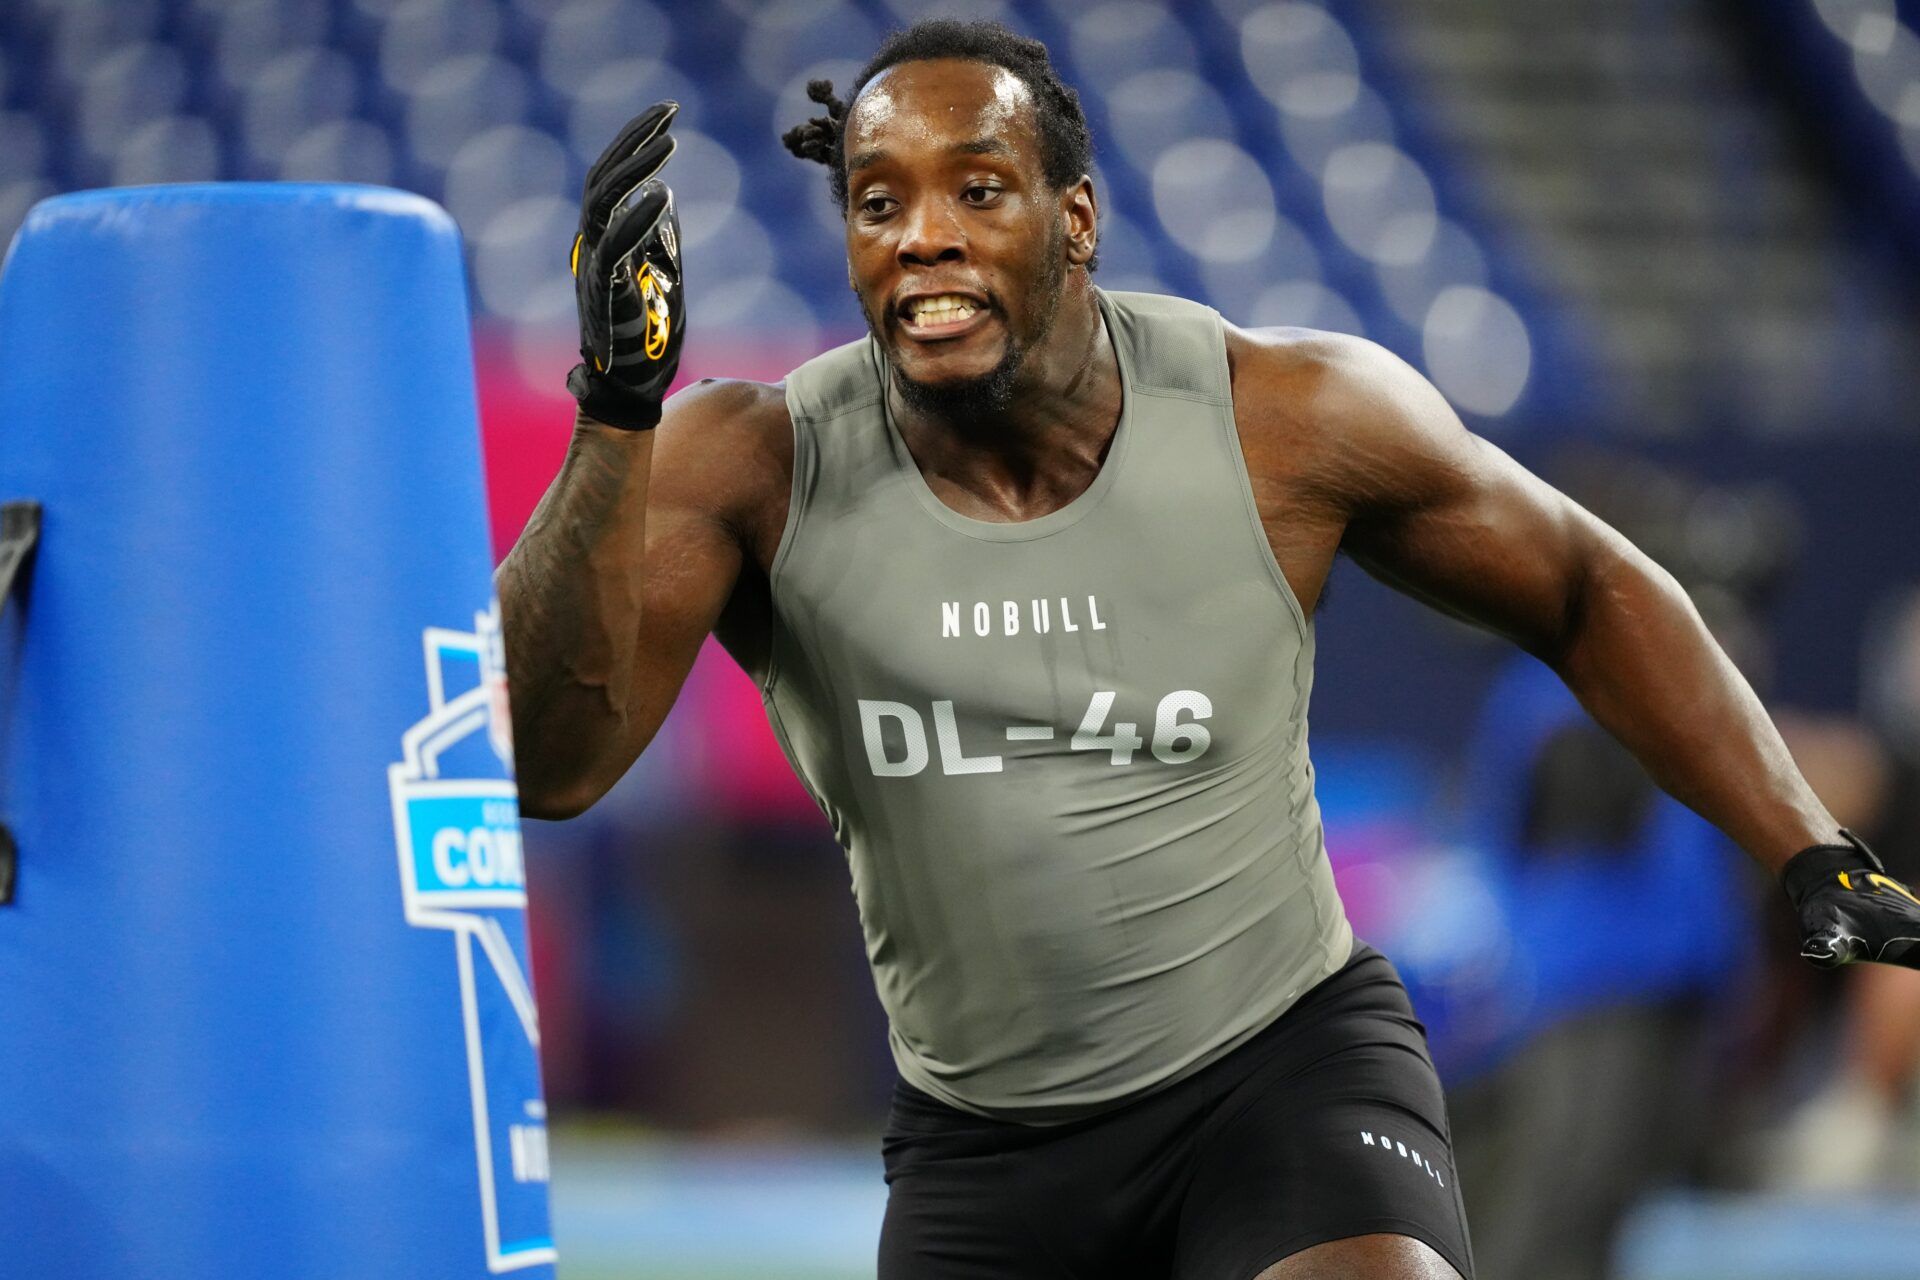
456,822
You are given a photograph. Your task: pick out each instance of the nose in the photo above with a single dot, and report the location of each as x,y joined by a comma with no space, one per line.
929,233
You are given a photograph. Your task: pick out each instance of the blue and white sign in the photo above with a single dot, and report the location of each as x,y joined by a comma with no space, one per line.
456,822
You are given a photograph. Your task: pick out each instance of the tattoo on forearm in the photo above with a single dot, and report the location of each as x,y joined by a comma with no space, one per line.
570,589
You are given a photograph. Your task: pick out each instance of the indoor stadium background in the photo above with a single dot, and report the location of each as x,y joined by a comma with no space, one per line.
1665,251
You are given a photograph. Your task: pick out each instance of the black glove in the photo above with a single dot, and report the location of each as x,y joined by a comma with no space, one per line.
1850,909
626,278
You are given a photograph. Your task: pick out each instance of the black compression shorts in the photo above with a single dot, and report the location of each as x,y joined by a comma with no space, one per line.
1327,1124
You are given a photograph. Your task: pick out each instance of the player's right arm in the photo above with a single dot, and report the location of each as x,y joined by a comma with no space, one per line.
618,578
626,564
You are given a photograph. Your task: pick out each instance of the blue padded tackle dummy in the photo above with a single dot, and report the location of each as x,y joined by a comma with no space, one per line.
265,1007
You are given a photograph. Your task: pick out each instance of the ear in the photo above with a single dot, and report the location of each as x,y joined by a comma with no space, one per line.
1081,212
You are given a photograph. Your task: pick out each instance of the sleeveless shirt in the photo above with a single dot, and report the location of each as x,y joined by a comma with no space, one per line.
1066,757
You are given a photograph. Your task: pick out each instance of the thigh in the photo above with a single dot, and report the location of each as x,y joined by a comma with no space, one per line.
1352,1142
975,1204
1098,1197
958,1199
955,1221
1377,1257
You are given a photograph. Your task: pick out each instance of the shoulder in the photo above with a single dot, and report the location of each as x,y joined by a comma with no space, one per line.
715,403
729,413
1341,411
724,450
1336,379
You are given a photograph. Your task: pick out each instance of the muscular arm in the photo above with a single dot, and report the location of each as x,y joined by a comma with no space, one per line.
1448,518
617,579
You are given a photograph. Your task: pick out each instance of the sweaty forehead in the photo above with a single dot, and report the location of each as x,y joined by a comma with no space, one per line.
931,103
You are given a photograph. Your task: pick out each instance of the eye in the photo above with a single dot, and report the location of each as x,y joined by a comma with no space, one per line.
979,193
876,206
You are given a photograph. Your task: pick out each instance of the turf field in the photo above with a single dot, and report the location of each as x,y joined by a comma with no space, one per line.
630,1208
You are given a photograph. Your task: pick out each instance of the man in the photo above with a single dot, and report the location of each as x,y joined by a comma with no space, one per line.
1025,578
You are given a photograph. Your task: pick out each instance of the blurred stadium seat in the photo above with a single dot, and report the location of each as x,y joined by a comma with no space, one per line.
1379,167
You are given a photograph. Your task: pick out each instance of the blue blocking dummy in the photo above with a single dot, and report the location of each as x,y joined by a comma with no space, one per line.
265,1007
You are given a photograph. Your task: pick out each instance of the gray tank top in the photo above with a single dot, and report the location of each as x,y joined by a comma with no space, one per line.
1067,757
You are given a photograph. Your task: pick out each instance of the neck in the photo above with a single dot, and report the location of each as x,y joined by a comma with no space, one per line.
1049,443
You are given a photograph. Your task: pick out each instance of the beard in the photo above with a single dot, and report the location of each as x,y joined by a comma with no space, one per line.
986,395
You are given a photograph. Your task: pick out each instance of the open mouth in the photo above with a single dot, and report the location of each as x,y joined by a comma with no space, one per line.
941,316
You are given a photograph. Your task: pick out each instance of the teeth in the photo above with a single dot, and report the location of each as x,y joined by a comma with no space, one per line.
944,309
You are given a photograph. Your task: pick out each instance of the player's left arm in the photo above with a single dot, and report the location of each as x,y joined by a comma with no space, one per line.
1450,519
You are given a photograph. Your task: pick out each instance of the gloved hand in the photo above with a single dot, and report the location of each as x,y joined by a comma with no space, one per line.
1850,909
626,278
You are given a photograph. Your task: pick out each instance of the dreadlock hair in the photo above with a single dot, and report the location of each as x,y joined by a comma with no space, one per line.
1066,146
